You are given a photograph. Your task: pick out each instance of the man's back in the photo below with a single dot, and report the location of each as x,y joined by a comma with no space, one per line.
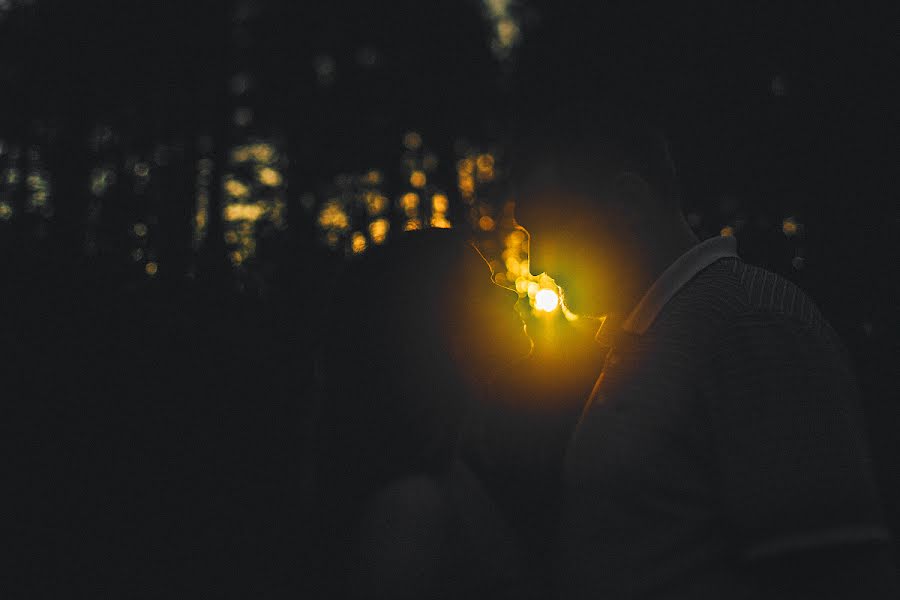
727,431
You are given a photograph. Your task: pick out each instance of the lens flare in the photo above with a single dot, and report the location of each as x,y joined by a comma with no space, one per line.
546,300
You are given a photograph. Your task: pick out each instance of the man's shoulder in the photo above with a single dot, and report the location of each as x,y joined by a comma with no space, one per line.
731,293
730,288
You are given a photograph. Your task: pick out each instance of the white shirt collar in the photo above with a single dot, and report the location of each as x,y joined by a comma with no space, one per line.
675,277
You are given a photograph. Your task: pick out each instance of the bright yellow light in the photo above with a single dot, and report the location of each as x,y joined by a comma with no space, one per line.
515,239
412,224
546,300
417,179
378,230
467,184
409,202
151,268
440,203
269,176
440,221
243,212
236,189
333,216
262,152
358,243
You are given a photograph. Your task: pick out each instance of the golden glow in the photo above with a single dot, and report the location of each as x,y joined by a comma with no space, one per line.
231,237
440,203
333,216
485,164
241,154
727,231
486,223
269,176
412,224
465,166
515,239
417,179
243,212
546,300
151,268
378,230
200,219
409,202
375,203
358,243
262,152
373,177
412,140
440,221
789,227
237,189
467,184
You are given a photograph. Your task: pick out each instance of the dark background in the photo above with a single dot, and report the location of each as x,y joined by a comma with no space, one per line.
162,421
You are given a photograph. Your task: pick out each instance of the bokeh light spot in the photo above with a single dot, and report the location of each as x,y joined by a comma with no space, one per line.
417,179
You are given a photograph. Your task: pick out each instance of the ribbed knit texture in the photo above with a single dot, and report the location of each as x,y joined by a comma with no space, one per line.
729,430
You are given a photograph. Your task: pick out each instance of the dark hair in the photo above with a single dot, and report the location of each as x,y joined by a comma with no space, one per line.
579,108
391,396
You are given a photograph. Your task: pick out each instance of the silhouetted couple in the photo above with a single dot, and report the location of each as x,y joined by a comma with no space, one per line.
706,441
720,453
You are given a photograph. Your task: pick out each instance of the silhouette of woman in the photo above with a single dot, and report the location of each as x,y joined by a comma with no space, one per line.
415,329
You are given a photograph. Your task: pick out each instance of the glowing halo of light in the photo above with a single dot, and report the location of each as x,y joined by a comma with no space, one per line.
546,300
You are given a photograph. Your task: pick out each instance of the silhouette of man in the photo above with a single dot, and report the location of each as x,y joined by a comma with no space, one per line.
721,453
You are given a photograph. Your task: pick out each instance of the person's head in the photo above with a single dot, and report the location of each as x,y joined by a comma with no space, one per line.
592,194
591,172
414,326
